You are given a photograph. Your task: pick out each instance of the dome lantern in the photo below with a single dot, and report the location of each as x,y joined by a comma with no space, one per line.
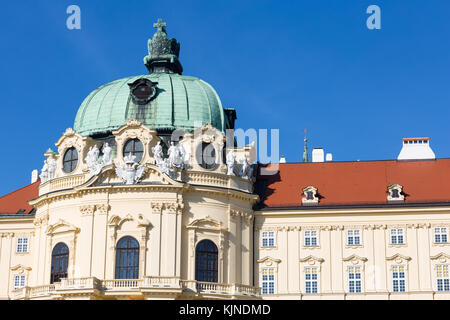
163,52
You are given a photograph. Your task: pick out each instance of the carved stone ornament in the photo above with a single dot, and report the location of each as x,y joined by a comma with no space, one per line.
131,172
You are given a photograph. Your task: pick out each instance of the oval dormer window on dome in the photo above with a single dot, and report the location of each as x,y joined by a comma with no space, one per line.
70,160
142,91
206,155
135,147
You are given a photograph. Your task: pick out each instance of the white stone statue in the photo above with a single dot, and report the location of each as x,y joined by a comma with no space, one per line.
48,169
131,172
51,164
92,161
230,162
107,160
187,154
157,153
176,156
246,169
44,172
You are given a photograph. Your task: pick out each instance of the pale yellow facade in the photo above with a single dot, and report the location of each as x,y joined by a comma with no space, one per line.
169,216
332,257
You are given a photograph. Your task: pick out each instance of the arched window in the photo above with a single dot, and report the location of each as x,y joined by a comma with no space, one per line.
60,261
127,258
70,160
206,261
134,146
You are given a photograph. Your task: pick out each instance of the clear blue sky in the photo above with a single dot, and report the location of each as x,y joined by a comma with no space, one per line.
281,64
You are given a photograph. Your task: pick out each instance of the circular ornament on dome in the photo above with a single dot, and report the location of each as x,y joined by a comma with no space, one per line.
142,91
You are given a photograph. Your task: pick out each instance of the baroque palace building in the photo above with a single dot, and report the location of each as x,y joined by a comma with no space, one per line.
145,198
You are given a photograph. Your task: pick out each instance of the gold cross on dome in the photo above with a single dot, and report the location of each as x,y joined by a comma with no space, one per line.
160,25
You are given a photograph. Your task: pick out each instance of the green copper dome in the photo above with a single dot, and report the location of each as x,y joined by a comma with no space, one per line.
180,102
163,100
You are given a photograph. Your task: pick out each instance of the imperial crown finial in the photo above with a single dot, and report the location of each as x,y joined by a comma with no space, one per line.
163,52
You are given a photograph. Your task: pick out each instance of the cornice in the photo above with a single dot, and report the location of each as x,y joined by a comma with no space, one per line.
225,192
406,208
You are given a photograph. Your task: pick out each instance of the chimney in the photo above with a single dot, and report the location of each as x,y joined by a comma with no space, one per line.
416,149
317,155
282,159
34,176
329,157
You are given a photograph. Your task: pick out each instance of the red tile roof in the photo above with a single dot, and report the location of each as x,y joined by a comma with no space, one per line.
14,202
356,183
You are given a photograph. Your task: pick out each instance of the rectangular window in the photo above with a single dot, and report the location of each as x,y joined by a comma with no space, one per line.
353,237
19,281
443,281
22,245
268,281
398,279
311,281
310,238
397,236
268,239
440,235
354,279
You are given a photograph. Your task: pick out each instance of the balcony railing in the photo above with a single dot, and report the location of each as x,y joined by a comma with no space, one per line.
136,286
44,290
121,283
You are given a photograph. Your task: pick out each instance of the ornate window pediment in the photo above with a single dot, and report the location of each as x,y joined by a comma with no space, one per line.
207,223
20,269
310,196
61,226
133,129
79,145
312,260
395,193
116,221
269,261
354,259
398,258
207,149
441,257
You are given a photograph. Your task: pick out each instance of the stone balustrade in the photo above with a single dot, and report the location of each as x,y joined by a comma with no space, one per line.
135,286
